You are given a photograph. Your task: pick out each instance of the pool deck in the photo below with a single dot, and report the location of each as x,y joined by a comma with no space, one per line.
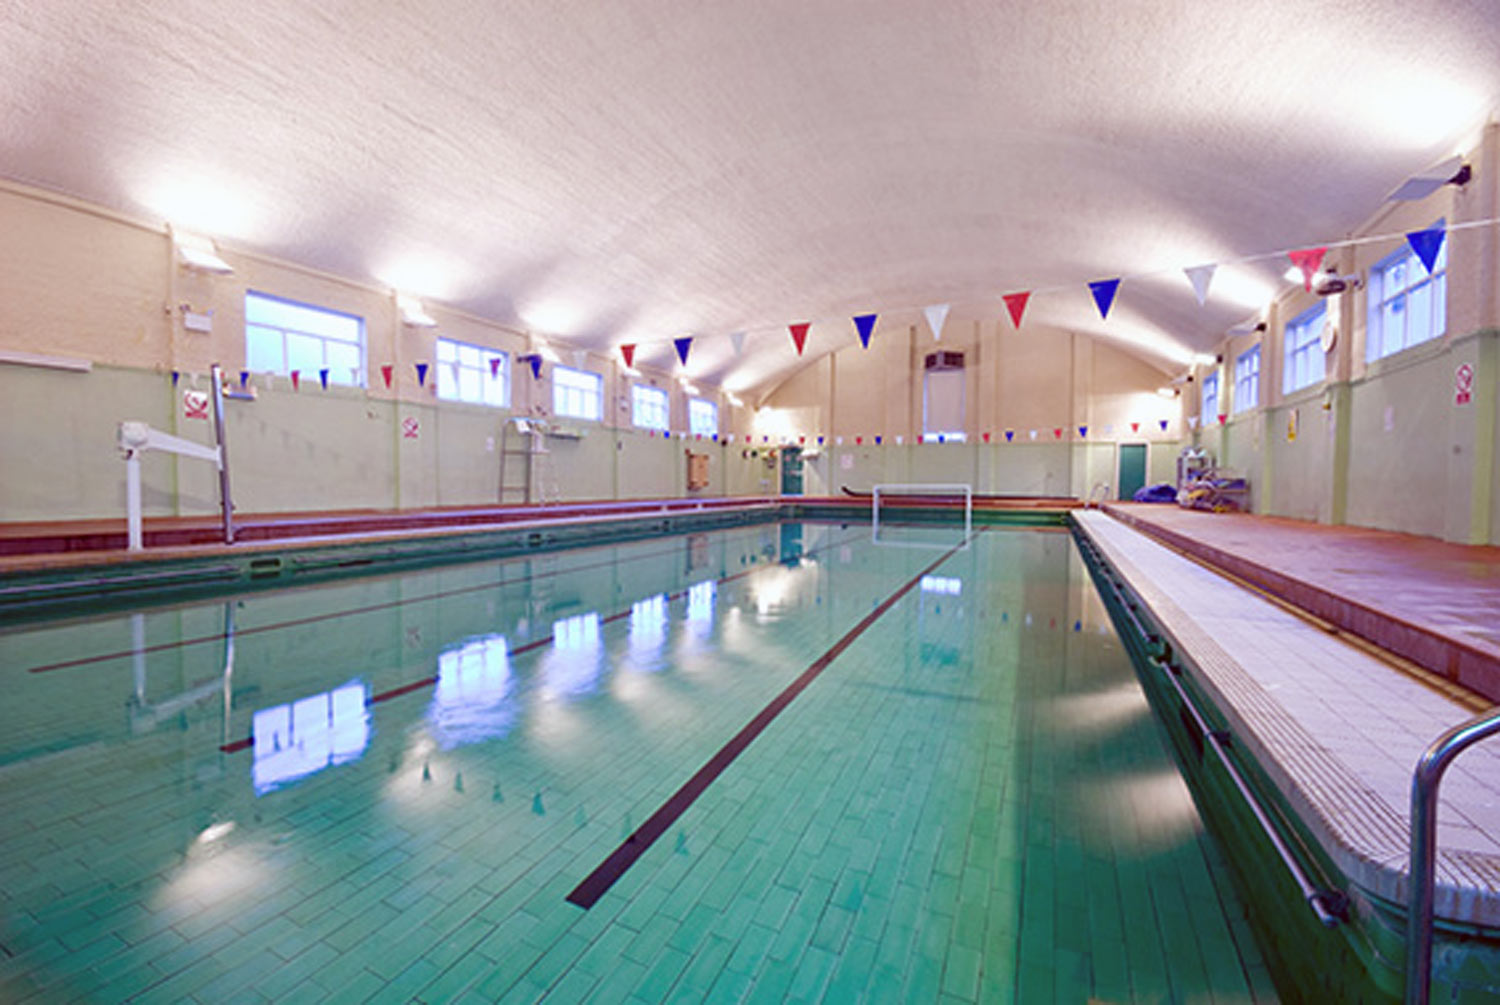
1434,603
1336,725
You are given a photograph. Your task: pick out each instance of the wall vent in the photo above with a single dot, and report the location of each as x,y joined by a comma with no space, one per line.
944,360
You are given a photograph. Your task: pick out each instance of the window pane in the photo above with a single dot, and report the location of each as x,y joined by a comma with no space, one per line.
468,384
263,349
304,352
1419,315
343,362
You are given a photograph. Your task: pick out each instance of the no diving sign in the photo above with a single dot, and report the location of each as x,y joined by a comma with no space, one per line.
1463,384
194,405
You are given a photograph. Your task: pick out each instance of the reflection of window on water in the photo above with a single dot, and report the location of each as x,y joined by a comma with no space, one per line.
572,667
700,603
648,626
473,701
942,584
293,741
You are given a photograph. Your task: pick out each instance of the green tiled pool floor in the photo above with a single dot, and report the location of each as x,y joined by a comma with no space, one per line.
970,804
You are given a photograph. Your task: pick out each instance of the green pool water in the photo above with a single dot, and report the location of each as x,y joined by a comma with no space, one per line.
386,789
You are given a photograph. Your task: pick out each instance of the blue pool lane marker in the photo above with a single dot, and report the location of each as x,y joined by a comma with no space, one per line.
597,883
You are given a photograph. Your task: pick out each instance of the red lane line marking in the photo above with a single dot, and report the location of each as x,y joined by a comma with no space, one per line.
238,745
368,609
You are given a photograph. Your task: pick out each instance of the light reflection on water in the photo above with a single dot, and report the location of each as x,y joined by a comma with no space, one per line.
474,699
298,739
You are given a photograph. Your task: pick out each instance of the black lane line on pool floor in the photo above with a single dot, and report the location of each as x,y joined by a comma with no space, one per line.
597,883
366,609
235,746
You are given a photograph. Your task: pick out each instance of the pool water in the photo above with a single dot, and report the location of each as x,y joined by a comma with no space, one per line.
794,764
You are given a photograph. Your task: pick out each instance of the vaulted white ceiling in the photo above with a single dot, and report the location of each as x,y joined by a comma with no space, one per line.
608,173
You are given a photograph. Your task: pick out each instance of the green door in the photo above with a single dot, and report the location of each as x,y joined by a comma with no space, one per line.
791,471
1132,469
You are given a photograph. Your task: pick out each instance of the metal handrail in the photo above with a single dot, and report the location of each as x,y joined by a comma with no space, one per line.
1328,905
1424,796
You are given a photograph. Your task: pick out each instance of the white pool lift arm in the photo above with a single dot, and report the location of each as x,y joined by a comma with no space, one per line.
135,438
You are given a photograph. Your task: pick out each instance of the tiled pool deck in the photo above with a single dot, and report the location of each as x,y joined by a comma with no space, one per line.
1338,728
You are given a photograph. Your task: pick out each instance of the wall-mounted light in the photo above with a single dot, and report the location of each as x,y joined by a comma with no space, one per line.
547,353
687,385
1170,393
734,399
198,253
413,313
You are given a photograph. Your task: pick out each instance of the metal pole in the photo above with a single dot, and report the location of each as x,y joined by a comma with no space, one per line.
226,502
1424,802
134,538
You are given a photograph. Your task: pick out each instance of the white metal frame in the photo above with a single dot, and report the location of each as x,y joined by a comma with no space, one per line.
910,488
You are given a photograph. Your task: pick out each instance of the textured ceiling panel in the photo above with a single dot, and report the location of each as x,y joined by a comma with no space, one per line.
631,172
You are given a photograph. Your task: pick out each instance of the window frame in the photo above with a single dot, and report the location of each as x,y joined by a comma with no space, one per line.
1208,399
1247,380
1431,287
585,386
661,402
959,376
1301,341
452,389
336,373
695,407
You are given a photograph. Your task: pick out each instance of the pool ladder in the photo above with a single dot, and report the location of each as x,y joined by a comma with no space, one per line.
1425,781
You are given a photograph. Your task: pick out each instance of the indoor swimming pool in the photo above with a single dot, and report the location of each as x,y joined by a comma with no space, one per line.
775,762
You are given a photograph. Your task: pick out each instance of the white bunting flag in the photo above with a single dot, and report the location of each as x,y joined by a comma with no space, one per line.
1200,276
737,340
936,315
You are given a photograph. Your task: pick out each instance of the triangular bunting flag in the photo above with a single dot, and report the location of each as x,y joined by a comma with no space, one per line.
323,376
388,372
986,437
921,438
1223,418
1163,424
244,378
683,345
936,315
422,374
1426,244
1016,304
865,325
1057,432
535,359
1083,432
1135,427
1200,276
799,334
1104,294
176,376
1010,435
1308,260
627,353
1193,421
354,376
1033,434
495,362
296,380
737,339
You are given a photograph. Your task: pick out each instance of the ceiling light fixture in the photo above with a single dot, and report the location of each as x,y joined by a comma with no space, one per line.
413,313
198,253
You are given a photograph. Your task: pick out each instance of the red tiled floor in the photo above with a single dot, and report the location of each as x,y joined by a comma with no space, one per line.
1435,603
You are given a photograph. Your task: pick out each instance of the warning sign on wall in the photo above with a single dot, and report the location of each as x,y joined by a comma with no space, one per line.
1463,384
409,428
195,404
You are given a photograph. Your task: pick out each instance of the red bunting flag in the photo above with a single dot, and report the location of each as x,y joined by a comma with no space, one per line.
920,438
1308,260
1057,432
1135,427
627,353
1222,418
859,439
495,362
388,372
986,437
296,380
799,334
1016,304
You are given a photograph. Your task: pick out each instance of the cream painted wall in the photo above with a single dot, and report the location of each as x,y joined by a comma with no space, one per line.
1386,444
80,283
